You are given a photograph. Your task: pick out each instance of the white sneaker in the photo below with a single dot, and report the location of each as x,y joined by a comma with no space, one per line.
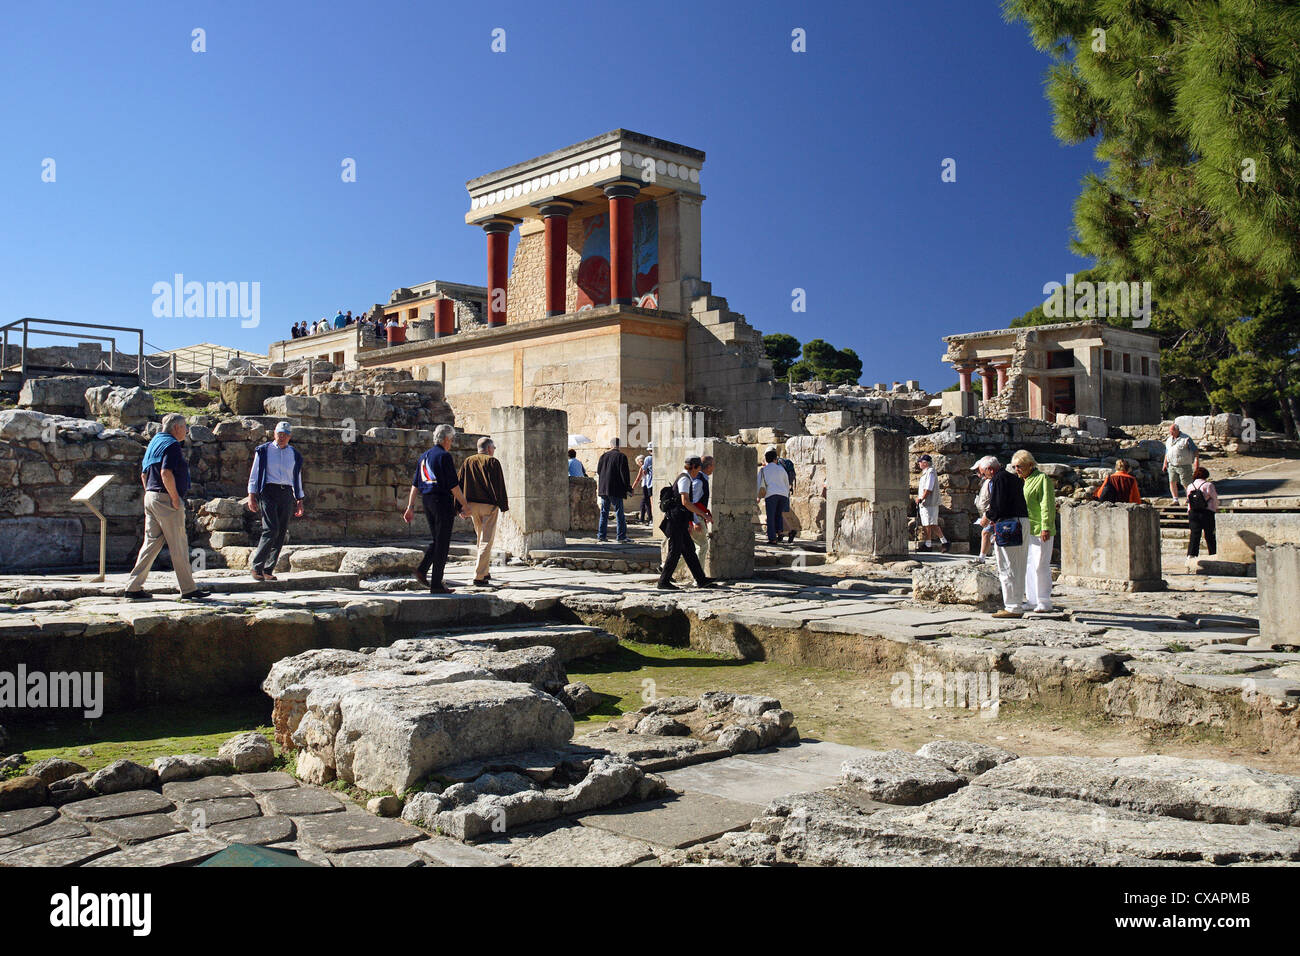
1042,610
979,559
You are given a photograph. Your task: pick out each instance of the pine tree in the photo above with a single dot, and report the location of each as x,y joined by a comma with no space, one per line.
1195,107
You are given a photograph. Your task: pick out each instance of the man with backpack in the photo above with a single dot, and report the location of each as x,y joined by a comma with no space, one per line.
1202,504
678,508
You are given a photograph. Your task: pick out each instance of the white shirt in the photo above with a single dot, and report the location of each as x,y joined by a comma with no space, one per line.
647,480
927,482
684,485
775,478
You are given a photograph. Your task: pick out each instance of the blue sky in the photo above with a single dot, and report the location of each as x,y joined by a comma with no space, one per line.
822,169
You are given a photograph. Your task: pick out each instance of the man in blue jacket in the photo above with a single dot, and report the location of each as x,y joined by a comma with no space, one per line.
438,485
274,489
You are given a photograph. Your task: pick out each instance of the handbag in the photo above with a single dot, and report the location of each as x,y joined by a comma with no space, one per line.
1007,533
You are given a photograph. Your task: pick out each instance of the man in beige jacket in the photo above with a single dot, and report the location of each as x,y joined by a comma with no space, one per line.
484,484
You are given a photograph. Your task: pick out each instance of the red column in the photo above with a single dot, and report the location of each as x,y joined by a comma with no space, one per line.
963,377
1002,377
986,376
444,318
555,216
622,279
498,267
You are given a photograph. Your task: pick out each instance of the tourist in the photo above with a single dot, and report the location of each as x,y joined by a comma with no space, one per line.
575,467
774,492
700,482
439,488
612,486
1202,506
484,484
789,520
1040,502
927,506
1182,458
294,331
339,321
165,477
981,468
390,330
1119,485
274,490
639,483
679,512
1008,515
347,319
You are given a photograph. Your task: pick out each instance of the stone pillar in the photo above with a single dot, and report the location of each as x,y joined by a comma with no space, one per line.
498,266
986,377
622,272
532,446
1001,369
1277,571
866,492
959,403
555,216
680,268
963,377
1110,547
726,548
444,318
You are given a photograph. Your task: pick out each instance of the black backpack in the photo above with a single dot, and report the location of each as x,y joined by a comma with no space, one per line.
1196,500
670,499
1109,492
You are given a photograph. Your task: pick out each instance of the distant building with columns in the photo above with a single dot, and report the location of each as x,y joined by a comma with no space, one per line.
1069,368
603,311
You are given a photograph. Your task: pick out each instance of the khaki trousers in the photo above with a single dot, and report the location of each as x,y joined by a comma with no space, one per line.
484,517
163,524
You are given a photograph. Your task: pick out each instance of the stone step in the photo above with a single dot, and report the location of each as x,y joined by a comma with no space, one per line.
708,303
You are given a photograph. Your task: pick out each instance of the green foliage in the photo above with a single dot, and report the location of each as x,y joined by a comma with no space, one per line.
826,363
1195,110
183,401
783,350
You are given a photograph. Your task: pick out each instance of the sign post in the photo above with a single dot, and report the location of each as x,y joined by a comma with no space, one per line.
86,496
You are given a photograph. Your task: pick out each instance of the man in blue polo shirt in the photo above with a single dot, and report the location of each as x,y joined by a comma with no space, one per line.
439,487
165,477
274,489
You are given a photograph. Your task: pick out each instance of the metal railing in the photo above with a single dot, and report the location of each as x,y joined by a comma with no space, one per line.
30,326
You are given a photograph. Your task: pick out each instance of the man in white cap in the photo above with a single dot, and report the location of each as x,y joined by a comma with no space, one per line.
274,489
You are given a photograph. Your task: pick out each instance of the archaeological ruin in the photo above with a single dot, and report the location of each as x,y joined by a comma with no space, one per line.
842,697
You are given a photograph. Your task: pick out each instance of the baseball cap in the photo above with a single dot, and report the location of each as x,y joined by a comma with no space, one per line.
284,427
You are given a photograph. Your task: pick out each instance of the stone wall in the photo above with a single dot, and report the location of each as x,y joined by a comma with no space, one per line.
1240,534
355,488
1278,571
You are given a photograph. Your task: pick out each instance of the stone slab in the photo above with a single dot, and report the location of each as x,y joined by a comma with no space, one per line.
575,846
70,852
261,782
205,788
58,830
183,849
254,831
380,858
207,813
15,821
345,832
138,829
442,851
301,801
676,822
129,804
745,782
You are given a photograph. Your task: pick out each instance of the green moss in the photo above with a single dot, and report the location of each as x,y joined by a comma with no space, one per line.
145,733
183,401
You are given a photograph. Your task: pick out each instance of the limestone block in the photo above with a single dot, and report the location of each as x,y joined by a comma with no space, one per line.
959,403
823,423
58,394
1241,533
532,446
866,492
121,407
1278,573
245,394
958,583
582,504
1112,547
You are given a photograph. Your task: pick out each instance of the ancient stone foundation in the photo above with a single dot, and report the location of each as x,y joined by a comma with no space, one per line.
866,492
1110,547
532,446
1278,571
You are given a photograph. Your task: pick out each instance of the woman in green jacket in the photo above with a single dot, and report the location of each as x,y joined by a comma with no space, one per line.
1040,499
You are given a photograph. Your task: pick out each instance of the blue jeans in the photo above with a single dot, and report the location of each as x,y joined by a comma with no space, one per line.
620,527
776,506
